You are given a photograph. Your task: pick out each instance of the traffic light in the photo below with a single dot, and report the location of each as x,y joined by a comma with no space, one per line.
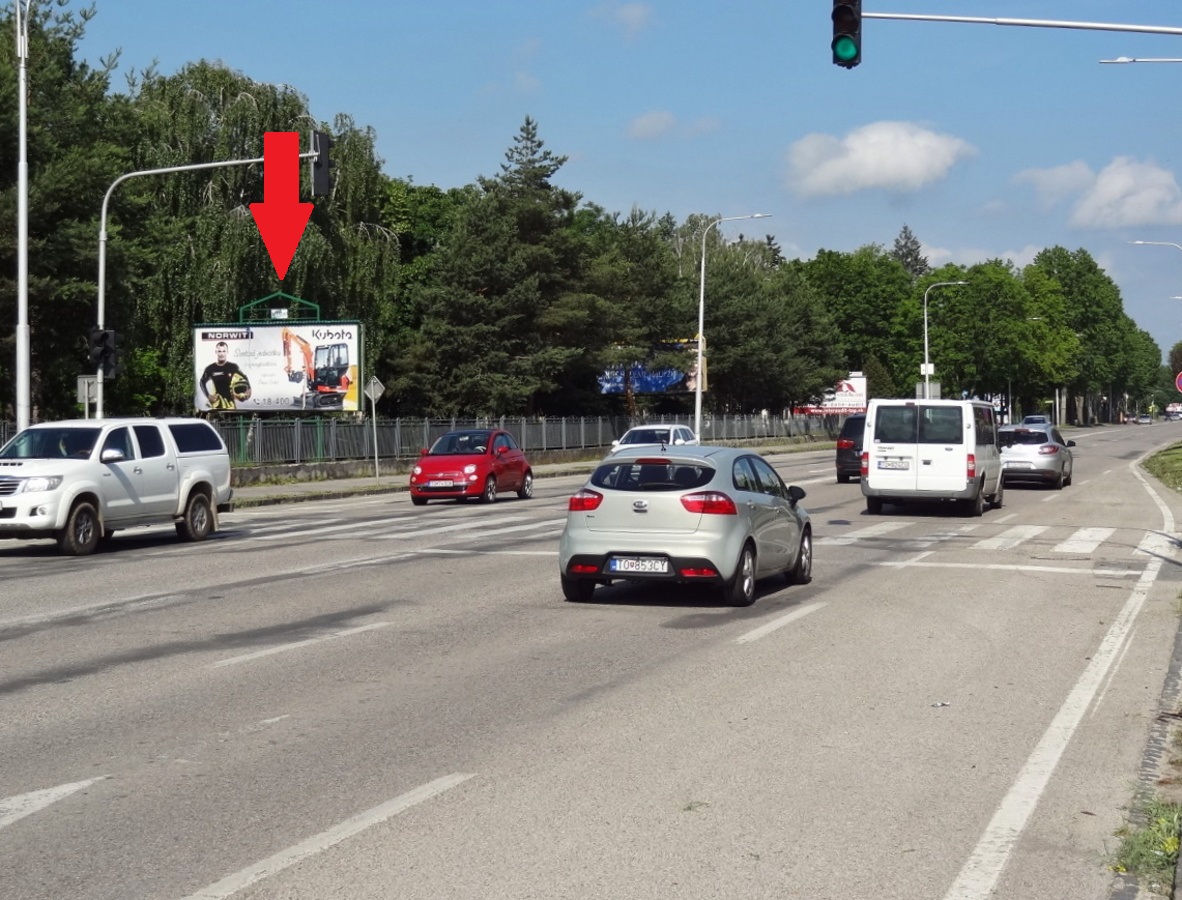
847,33
322,166
104,350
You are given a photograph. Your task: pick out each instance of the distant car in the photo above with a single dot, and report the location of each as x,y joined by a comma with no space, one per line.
1035,420
1144,419
655,435
475,462
712,515
1036,453
848,458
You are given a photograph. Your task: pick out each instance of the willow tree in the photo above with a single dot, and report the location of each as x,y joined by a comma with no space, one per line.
183,248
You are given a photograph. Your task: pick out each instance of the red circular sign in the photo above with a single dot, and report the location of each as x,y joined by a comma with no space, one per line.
1178,382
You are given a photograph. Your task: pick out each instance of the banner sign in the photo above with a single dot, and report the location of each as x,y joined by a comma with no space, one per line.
657,381
848,396
277,367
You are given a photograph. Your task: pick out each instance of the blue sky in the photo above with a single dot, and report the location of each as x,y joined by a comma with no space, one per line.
986,140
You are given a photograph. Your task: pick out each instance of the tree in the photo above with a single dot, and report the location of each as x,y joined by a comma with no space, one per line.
907,251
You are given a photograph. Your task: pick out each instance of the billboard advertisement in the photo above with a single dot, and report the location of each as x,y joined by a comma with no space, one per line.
657,381
278,367
847,396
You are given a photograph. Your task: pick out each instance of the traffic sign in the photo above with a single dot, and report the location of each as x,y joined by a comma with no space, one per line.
374,388
1178,382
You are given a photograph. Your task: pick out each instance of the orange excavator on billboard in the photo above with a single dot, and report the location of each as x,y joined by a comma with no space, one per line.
324,370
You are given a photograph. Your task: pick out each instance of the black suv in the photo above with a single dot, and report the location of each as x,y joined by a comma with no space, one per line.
849,448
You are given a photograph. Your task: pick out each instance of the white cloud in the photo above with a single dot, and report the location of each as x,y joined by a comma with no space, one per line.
1128,193
970,256
652,125
1057,184
631,18
892,156
1124,193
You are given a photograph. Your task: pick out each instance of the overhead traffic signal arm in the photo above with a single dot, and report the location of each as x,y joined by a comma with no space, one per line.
847,33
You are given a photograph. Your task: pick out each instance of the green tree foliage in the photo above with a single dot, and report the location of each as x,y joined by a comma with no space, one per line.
908,251
75,148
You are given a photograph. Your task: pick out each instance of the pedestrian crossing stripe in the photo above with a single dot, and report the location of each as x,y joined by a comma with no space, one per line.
1081,541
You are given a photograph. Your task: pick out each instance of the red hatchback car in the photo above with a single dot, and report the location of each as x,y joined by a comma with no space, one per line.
476,462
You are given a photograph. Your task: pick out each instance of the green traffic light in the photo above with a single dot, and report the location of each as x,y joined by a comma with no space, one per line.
845,48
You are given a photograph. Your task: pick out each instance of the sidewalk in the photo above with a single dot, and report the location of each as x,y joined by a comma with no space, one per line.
336,488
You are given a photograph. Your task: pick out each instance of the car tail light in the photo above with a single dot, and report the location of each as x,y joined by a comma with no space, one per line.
865,463
699,572
845,444
971,471
711,503
585,500
1048,450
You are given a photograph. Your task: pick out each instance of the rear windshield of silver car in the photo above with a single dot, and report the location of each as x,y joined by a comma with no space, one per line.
1010,438
642,475
915,424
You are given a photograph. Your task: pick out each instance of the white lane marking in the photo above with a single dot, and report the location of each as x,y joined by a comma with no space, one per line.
1084,540
984,866
357,526
1003,519
22,805
269,651
999,567
272,865
1111,675
1010,538
441,529
768,628
870,531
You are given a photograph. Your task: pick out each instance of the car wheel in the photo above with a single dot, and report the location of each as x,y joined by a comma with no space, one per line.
999,497
802,572
490,491
82,531
1058,483
1067,478
197,522
418,501
577,590
976,506
740,590
843,479
874,505
527,486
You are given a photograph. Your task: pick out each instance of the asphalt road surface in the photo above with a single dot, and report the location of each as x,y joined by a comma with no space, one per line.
364,699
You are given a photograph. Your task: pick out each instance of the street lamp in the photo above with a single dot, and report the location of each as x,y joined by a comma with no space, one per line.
23,402
702,315
927,366
1157,244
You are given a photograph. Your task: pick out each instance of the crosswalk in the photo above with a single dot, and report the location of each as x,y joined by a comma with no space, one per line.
910,535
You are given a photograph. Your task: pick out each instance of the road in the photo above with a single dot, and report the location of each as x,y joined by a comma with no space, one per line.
363,699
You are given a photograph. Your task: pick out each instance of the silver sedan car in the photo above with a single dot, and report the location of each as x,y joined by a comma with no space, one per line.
719,516
1036,454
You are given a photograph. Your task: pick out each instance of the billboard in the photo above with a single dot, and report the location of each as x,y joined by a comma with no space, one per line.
277,367
658,381
847,396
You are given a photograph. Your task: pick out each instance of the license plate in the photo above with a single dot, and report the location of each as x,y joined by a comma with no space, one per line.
894,464
1017,465
641,564
440,484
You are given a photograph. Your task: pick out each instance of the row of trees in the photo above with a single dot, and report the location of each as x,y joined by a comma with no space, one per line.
509,295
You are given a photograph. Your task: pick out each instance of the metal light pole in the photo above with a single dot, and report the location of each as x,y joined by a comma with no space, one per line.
23,364
1157,244
702,315
927,366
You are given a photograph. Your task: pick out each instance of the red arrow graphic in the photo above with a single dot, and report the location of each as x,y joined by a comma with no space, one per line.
281,217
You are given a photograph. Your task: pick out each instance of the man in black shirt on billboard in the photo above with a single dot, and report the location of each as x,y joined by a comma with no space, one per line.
230,384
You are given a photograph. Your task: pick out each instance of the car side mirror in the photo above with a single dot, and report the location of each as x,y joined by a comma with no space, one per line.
113,455
501,449
423,451
1071,443
679,441
796,493
615,443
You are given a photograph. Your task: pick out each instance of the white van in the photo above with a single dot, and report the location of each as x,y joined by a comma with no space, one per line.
918,450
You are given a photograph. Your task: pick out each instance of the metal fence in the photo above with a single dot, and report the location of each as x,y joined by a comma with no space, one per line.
259,441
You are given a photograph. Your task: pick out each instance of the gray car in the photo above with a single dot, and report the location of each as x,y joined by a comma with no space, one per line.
1035,454
719,516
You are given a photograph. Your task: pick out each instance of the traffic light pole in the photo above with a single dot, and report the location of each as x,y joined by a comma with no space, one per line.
1033,23
102,248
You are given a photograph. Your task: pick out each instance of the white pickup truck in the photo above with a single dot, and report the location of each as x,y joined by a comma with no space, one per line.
79,481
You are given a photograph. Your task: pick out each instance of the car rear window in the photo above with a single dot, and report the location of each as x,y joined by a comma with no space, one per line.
646,436
643,475
1025,436
195,437
912,424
